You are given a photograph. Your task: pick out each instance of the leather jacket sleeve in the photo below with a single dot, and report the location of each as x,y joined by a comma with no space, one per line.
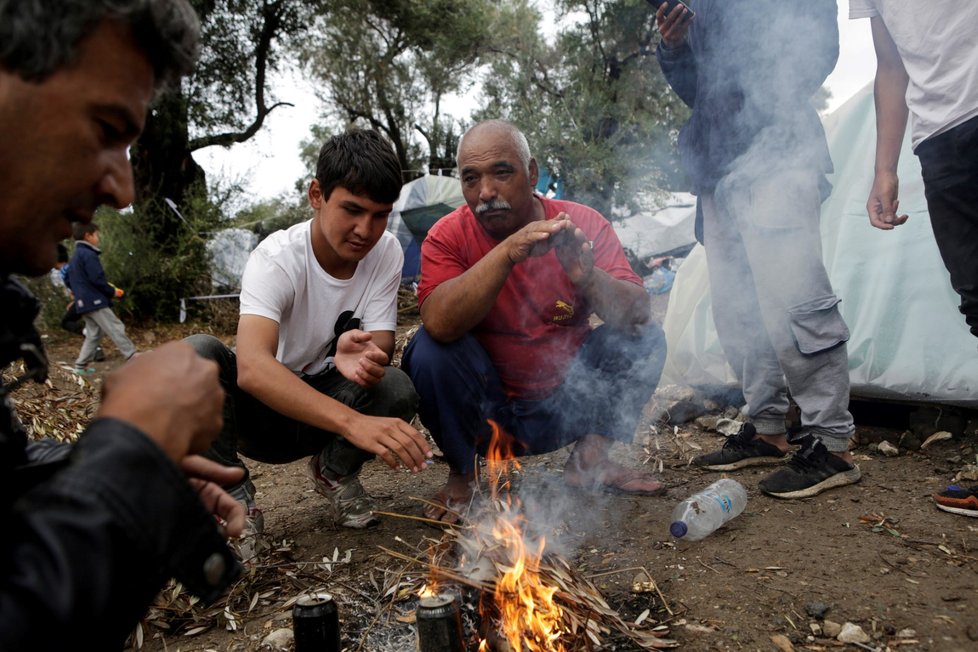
85,552
90,532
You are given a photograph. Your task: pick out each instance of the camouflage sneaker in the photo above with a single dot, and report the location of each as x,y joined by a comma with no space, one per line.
349,503
740,450
250,542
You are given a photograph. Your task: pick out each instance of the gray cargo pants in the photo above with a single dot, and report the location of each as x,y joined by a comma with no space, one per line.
775,312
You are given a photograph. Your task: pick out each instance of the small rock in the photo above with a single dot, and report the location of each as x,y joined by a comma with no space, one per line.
682,412
967,472
816,628
782,643
907,632
817,609
831,629
733,413
909,441
852,633
940,435
889,449
728,426
280,639
708,422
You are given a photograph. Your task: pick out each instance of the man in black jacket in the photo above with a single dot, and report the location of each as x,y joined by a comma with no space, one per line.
91,532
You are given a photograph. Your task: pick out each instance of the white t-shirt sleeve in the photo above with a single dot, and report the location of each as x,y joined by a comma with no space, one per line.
380,313
266,289
862,9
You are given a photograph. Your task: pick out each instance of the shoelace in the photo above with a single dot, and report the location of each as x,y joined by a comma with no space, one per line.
804,459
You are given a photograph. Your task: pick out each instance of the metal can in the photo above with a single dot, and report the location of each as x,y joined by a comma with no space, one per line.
316,623
439,624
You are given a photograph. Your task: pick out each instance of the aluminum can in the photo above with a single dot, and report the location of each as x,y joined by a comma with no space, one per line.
439,624
316,623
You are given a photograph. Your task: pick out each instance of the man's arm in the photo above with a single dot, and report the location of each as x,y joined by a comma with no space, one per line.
674,54
264,377
457,305
890,91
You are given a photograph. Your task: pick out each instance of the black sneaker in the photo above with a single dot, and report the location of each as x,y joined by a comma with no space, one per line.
99,354
740,450
809,472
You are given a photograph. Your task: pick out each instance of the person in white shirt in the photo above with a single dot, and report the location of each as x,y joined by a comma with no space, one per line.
927,66
311,373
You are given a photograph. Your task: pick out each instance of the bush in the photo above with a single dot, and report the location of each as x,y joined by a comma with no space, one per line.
154,278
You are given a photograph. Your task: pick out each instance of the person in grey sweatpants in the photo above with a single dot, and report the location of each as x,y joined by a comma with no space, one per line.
755,152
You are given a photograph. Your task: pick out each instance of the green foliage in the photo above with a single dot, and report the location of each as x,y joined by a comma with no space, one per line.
390,64
54,299
594,104
269,216
154,281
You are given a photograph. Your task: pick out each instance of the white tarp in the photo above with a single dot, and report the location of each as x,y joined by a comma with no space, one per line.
660,226
909,341
229,250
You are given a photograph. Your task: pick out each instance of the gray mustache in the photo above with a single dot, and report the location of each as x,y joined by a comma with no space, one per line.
494,205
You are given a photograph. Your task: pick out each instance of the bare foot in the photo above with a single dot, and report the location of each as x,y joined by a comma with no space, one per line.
590,468
779,441
451,501
845,456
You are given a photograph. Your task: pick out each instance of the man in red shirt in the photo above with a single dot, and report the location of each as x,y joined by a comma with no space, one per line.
508,284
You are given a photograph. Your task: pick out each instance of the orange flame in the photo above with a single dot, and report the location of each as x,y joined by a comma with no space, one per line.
529,618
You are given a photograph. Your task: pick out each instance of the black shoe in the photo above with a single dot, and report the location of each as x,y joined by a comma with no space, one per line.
809,472
99,354
740,450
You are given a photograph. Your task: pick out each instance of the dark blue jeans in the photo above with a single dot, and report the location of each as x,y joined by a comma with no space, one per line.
608,383
263,434
949,165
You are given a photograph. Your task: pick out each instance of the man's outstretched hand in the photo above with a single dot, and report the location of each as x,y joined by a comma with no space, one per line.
359,359
393,440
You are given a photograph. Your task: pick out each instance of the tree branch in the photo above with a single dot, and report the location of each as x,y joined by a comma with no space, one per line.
272,19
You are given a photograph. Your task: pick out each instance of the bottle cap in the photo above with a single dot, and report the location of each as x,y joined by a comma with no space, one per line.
678,529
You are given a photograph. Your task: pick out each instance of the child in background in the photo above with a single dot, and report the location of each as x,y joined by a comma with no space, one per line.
71,321
93,298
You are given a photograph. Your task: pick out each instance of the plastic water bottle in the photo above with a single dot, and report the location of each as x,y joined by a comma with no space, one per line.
702,513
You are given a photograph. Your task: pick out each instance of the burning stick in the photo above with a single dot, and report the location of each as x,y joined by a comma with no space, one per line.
538,602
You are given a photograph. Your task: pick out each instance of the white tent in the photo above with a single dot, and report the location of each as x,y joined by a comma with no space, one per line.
660,226
421,203
908,339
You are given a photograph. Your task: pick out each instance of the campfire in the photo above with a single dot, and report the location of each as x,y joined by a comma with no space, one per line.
529,599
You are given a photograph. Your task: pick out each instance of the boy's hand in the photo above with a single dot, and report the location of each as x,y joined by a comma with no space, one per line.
359,359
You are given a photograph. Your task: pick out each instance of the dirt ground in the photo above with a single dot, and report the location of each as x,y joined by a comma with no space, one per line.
878,554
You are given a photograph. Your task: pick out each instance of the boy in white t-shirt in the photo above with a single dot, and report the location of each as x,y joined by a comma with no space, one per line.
310,374
927,65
